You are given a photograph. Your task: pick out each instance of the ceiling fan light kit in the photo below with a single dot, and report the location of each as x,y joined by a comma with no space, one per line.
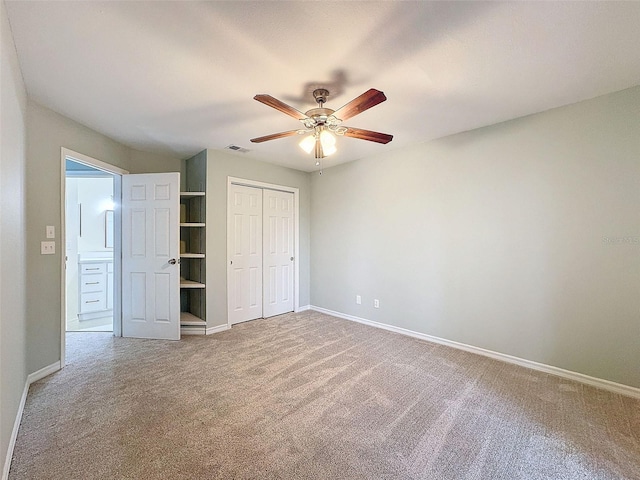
308,143
319,139
321,124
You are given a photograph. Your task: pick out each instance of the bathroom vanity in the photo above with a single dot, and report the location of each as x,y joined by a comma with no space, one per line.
95,287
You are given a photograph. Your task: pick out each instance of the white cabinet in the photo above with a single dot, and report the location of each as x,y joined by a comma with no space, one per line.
95,289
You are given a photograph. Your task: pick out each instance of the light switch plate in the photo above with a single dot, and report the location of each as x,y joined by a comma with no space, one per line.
51,231
47,248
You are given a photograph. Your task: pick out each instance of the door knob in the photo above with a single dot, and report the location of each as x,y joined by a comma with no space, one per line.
173,261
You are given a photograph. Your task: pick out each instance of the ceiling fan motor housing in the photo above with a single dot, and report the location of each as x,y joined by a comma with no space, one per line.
319,115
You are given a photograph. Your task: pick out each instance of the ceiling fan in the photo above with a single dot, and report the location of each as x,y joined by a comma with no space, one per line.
321,122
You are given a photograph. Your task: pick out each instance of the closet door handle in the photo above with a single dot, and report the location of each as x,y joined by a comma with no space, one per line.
173,261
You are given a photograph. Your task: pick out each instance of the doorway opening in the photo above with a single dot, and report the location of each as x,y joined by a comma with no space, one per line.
89,225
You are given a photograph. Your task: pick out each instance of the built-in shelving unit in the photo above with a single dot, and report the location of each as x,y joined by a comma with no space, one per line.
192,263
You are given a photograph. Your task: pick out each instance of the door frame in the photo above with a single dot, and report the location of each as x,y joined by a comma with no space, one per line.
117,173
296,232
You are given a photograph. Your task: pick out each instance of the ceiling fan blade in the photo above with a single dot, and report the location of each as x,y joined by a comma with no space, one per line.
274,136
368,135
368,99
278,105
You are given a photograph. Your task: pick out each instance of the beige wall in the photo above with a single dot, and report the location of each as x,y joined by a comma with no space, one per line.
13,369
145,162
522,237
220,166
48,131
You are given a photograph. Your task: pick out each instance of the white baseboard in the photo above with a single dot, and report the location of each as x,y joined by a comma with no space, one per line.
14,433
303,308
219,328
34,377
93,315
541,367
43,372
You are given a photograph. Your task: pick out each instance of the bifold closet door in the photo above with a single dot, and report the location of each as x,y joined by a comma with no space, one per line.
277,254
244,280
260,253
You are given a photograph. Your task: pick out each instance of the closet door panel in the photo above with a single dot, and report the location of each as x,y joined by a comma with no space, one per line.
278,248
244,279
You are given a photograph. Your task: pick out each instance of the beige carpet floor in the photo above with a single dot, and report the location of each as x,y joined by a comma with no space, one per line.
309,396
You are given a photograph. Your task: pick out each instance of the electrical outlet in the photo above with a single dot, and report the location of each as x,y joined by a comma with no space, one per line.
376,303
51,231
47,248
358,299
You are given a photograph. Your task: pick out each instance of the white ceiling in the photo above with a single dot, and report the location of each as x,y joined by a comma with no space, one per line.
178,77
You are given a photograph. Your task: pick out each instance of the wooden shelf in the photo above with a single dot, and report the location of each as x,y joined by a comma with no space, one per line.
192,224
192,255
190,319
191,284
191,194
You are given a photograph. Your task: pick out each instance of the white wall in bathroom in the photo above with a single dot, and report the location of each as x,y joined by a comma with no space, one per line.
95,195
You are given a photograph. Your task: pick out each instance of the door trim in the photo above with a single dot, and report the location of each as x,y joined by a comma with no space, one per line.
117,172
296,232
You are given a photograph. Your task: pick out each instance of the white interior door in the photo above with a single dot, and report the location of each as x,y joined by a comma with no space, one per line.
277,252
244,281
150,253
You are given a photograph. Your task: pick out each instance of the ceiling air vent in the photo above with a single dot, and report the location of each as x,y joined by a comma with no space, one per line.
236,148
